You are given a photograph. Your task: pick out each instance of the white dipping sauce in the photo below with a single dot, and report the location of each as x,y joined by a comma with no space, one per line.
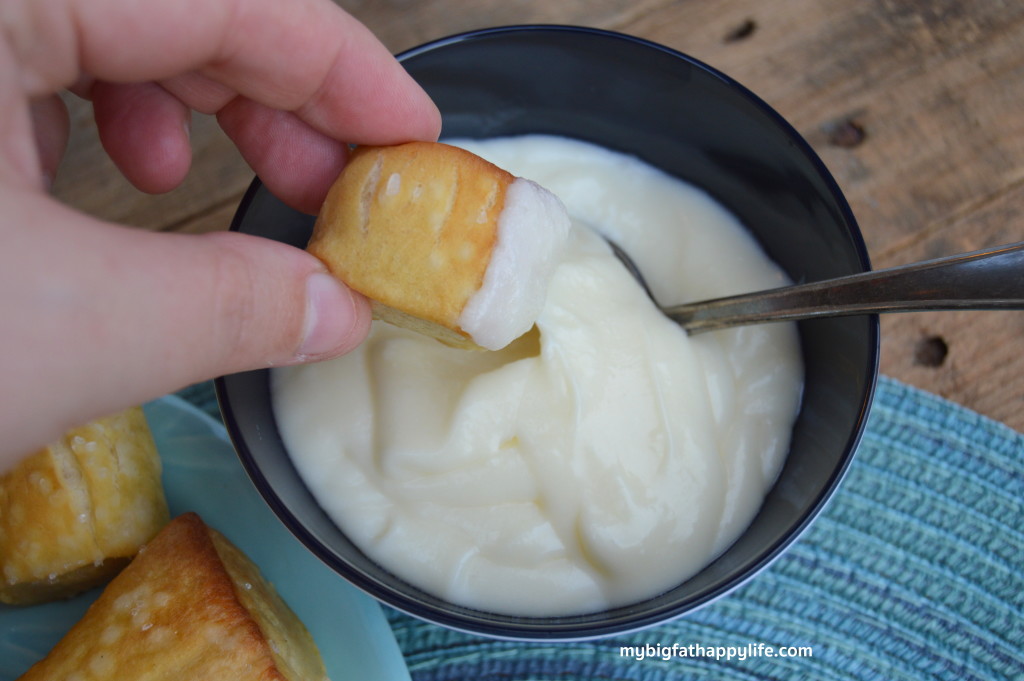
595,465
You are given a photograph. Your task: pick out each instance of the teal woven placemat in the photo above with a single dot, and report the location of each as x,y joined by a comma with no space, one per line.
914,571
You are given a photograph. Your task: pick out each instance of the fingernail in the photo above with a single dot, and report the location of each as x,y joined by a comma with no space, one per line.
330,314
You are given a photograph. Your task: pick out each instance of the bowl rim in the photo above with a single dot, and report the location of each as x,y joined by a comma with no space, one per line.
575,628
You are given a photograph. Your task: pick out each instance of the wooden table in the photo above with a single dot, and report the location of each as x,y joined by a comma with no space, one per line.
916,107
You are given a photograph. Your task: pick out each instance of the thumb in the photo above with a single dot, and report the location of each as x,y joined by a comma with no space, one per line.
110,316
244,302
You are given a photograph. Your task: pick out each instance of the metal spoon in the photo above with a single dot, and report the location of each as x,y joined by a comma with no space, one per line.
989,279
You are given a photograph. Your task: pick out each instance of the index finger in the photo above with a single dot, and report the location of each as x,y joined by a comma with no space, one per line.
304,56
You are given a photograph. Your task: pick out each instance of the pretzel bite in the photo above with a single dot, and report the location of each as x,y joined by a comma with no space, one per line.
442,241
191,605
73,514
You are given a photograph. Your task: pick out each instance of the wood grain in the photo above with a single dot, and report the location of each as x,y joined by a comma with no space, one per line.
915,107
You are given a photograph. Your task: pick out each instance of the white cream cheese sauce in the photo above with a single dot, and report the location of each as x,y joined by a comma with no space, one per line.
601,459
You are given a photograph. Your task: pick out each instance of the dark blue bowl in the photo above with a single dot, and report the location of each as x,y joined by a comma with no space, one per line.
693,122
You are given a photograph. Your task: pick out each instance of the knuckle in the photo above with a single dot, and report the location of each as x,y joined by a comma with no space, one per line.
234,292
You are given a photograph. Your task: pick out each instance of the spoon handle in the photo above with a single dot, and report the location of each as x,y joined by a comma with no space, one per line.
990,279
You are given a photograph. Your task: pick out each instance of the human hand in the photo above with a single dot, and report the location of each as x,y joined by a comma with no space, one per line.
98,316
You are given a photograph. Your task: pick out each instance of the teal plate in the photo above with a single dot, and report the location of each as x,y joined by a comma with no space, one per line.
202,474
